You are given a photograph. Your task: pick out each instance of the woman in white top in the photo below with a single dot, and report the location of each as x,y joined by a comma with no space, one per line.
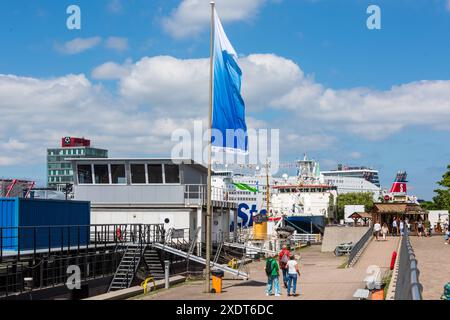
377,229
394,227
384,231
293,271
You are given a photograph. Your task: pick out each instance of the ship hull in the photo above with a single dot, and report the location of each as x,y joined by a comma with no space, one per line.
303,224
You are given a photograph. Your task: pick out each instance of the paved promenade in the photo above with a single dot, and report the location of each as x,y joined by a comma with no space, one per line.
322,278
433,258
378,253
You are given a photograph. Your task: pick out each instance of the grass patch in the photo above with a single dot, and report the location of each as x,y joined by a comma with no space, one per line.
387,281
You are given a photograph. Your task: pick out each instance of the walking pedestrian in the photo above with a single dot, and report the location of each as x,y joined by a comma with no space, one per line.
427,228
273,283
283,259
402,227
394,227
377,229
447,235
419,228
384,231
293,272
408,226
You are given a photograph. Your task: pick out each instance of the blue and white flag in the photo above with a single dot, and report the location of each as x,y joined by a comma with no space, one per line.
229,107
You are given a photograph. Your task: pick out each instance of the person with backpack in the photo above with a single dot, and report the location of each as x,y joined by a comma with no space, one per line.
273,284
283,258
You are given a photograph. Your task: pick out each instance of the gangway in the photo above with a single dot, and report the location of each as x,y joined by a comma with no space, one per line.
249,247
200,260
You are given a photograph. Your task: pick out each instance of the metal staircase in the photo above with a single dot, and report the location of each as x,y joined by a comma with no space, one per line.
127,268
153,262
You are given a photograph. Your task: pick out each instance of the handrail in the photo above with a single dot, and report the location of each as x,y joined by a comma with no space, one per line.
408,286
353,256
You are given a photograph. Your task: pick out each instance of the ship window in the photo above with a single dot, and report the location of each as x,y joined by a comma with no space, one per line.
172,173
85,174
155,173
138,173
118,174
101,174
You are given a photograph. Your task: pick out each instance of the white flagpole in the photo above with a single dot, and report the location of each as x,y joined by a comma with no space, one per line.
209,207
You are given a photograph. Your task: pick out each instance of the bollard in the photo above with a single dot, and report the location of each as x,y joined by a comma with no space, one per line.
167,274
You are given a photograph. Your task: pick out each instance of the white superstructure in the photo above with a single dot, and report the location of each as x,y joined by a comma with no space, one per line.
354,179
306,194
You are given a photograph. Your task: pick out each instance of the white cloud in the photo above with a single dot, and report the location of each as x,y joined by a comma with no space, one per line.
156,95
192,16
117,43
13,145
178,86
78,45
112,71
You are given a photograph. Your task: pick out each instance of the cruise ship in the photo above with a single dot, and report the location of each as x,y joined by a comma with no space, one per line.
354,179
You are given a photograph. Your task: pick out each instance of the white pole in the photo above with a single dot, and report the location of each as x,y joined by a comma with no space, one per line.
209,209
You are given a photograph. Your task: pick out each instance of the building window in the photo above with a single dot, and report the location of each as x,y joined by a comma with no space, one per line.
155,173
138,173
172,173
85,174
118,174
101,174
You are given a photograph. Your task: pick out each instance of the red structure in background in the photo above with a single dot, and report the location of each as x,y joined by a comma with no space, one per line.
71,142
399,185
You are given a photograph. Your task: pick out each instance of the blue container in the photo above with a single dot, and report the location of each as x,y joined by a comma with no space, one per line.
36,224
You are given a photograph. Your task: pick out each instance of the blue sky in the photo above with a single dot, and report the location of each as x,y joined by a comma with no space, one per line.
366,99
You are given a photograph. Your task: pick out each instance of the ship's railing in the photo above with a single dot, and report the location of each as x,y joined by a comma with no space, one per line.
313,238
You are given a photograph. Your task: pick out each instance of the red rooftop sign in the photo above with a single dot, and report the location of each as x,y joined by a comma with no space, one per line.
70,142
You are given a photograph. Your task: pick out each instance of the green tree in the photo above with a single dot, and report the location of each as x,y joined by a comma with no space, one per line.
428,205
442,198
354,198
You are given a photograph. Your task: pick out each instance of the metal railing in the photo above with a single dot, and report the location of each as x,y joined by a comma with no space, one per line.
353,255
43,253
197,194
305,238
15,242
408,286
